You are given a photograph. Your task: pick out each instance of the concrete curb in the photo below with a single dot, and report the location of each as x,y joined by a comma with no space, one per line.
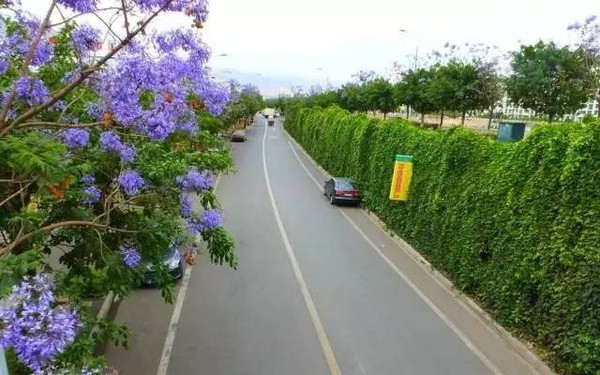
524,350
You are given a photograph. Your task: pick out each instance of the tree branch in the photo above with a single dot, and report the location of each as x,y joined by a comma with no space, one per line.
85,74
88,224
17,193
81,14
125,16
42,124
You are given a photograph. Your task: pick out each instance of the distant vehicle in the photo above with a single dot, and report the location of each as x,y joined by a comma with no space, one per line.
238,136
271,123
342,190
173,261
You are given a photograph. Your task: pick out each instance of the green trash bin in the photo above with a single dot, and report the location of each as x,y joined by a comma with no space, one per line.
511,131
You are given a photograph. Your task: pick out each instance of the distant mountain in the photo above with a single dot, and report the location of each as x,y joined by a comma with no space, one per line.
269,86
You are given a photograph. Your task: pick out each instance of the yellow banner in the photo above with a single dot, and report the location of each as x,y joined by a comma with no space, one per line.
403,169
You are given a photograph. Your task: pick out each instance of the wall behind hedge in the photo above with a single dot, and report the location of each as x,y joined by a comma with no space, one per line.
516,225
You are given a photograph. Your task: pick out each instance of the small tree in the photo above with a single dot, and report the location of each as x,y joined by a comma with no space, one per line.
415,90
550,79
379,95
351,97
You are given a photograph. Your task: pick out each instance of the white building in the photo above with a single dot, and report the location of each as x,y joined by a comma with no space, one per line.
506,108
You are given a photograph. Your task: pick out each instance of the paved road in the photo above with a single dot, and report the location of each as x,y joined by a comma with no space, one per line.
320,290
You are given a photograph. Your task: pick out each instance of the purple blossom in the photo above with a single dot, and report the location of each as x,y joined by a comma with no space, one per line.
94,111
81,6
3,66
574,26
88,179
127,154
32,90
188,126
92,195
59,106
195,181
75,138
208,220
130,255
33,327
131,182
111,142
85,39
590,19
186,205
178,71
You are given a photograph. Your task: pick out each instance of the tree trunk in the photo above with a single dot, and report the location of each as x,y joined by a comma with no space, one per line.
441,119
551,118
384,115
490,117
464,114
408,112
422,119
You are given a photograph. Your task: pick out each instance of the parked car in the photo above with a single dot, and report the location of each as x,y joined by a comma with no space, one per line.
238,136
342,190
173,262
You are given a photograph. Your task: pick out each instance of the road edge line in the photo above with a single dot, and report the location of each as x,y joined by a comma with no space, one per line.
529,358
310,304
165,357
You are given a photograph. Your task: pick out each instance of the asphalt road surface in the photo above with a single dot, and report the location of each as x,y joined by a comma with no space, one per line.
320,290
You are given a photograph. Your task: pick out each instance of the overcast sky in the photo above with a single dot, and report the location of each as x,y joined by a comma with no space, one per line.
297,37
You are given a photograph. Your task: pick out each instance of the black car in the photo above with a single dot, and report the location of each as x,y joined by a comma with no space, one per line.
342,190
173,262
238,136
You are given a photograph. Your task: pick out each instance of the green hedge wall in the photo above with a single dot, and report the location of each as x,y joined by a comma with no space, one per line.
515,225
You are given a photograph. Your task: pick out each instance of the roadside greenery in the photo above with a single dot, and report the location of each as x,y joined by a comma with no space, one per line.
517,226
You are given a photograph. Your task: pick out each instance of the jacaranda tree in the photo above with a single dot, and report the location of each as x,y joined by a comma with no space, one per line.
103,163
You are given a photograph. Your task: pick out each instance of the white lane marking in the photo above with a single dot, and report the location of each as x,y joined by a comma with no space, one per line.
165,358
310,304
408,282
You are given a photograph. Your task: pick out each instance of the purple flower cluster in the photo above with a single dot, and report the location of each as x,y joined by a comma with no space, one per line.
208,220
88,179
179,71
85,39
130,255
18,41
81,6
186,205
131,182
31,90
33,327
92,195
75,138
589,34
111,142
94,111
198,9
195,181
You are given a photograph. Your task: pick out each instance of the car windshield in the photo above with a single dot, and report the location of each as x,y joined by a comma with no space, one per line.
345,185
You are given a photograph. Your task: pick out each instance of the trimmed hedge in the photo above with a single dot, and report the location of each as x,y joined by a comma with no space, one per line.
515,225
